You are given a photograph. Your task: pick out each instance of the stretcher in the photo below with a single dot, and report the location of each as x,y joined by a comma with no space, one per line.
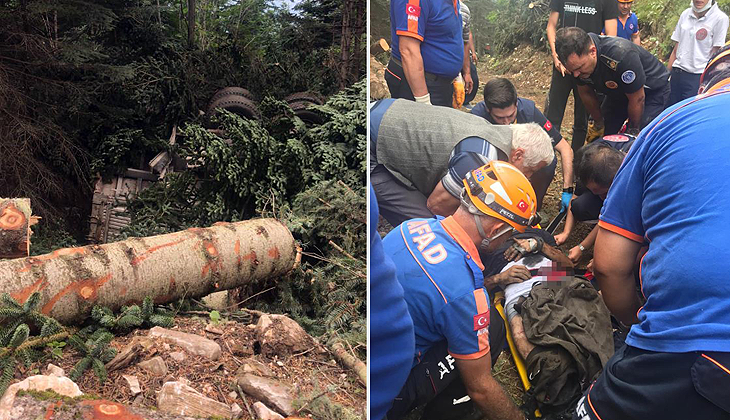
519,362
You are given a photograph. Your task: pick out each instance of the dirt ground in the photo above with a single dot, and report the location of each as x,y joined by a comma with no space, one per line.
310,373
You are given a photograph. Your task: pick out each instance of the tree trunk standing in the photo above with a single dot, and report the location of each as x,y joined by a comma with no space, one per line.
191,23
15,222
191,263
353,25
345,42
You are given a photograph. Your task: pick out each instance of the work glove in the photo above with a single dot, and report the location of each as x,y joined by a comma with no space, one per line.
425,99
594,131
459,93
522,247
565,201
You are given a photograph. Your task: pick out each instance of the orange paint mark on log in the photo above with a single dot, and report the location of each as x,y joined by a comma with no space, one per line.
123,291
106,410
50,411
143,256
274,253
22,295
251,256
86,292
33,261
210,248
86,288
237,247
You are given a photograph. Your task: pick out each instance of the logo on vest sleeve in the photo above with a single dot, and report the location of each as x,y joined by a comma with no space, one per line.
628,76
413,10
611,84
481,321
479,175
701,34
631,26
547,126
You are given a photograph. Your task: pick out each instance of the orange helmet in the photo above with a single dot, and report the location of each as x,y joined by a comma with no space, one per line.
500,190
716,71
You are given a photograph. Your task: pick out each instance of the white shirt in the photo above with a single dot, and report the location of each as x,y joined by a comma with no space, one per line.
696,37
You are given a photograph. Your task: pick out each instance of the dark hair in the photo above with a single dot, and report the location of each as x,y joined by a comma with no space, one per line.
499,93
597,162
571,40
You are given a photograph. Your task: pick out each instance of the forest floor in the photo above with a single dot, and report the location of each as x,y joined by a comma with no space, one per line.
310,375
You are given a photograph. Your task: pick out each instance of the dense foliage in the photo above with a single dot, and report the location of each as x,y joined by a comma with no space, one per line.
93,86
312,177
504,24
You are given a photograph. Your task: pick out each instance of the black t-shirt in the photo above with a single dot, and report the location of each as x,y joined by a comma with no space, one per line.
588,15
624,67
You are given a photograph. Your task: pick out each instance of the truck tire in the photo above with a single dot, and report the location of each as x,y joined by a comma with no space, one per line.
306,115
236,104
232,90
312,97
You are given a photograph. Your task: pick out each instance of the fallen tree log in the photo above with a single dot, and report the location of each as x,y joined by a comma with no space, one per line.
351,362
15,223
191,263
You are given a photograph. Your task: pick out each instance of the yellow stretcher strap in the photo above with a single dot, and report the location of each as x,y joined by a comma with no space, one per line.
519,362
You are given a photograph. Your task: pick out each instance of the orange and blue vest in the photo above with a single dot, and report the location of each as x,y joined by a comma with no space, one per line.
441,274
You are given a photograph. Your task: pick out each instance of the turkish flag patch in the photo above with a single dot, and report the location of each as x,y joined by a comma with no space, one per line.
522,205
413,10
481,321
547,126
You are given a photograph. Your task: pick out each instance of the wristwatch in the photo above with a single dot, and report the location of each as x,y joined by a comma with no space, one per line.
581,247
568,190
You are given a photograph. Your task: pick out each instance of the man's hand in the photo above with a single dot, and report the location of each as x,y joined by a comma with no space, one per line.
575,253
595,130
560,238
514,274
522,247
558,65
468,84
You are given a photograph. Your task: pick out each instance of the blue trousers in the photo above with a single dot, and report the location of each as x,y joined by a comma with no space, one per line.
683,84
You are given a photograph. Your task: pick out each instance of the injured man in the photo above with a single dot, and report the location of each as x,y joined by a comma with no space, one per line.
558,321
546,265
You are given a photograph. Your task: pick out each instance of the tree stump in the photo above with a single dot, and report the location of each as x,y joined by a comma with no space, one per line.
15,223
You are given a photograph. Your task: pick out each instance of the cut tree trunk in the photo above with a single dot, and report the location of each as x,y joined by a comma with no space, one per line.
379,47
191,263
15,223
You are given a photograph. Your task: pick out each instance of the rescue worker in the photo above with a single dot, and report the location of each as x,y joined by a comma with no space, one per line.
391,328
627,24
502,106
427,51
676,359
635,83
596,165
591,16
700,33
459,335
419,155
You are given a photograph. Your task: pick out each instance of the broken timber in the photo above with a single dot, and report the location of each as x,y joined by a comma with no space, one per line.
191,263
15,223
